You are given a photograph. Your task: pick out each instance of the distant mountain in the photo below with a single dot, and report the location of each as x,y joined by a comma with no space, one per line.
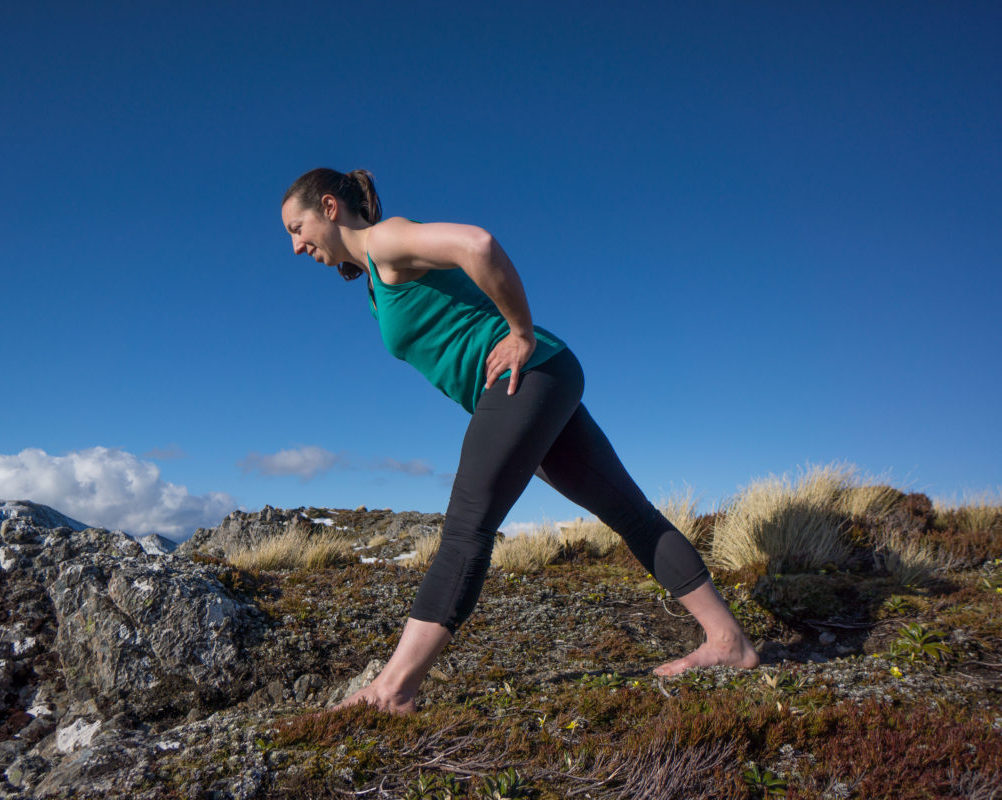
42,516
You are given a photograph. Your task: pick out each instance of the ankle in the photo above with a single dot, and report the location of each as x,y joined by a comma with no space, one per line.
726,637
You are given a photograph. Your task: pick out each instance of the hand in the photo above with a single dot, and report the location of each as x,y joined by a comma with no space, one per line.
512,352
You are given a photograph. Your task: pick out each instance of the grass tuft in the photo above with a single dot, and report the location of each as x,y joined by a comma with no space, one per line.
425,549
301,546
790,525
526,552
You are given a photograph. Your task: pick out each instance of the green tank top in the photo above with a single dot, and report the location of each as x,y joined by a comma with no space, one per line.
444,325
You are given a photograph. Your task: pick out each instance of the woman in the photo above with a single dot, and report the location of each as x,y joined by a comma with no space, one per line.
448,301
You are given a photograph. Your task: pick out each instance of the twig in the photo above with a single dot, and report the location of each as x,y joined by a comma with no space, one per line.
817,623
672,614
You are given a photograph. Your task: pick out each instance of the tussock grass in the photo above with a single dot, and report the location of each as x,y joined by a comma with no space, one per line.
378,540
911,562
680,509
869,500
591,536
526,552
425,549
301,546
979,512
790,525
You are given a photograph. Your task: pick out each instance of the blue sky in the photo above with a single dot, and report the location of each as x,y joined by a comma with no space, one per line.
770,232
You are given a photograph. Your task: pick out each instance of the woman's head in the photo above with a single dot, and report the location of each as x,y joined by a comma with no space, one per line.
356,190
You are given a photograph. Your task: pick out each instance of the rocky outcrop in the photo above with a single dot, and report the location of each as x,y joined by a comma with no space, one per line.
95,629
37,514
247,530
106,642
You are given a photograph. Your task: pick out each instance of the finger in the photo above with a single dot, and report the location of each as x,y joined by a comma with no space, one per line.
514,380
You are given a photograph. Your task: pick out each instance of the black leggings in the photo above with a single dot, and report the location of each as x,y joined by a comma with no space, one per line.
542,429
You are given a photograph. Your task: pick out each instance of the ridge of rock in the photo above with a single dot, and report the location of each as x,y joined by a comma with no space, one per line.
40,515
248,530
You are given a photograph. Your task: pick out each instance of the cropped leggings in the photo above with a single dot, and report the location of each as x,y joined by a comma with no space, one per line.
542,429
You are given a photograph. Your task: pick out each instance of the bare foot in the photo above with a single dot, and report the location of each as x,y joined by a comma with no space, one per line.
729,652
383,700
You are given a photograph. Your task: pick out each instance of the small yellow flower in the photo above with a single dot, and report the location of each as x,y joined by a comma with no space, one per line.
572,725
998,589
897,673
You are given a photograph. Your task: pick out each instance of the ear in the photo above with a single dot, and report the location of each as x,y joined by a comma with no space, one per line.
330,206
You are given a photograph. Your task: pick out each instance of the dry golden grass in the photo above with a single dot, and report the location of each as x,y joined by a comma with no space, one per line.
869,500
789,525
425,549
526,552
978,512
378,540
908,560
680,509
301,546
594,537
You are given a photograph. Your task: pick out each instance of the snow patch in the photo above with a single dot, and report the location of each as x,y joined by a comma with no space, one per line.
38,709
8,558
24,645
77,735
168,745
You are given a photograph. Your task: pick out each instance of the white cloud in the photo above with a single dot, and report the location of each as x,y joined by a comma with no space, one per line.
110,488
412,467
306,462
168,453
309,461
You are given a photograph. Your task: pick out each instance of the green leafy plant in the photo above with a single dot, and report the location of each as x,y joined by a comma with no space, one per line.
424,787
915,643
507,785
896,604
605,679
784,681
764,782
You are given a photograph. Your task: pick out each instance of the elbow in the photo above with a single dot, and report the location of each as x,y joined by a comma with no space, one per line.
483,245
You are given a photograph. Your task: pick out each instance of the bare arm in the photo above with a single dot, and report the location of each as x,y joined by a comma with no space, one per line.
443,245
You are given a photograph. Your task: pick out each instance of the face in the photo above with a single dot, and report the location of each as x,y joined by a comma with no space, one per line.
312,233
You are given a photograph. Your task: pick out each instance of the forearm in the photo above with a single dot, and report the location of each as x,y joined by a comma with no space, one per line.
493,272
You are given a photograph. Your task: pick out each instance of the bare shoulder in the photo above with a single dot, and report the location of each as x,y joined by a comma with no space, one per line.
387,242
414,246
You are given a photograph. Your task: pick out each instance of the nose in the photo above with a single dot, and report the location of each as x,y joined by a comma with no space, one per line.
298,246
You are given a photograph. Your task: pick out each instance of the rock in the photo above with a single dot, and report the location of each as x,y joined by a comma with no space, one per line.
243,530
360,681
157,545
306,685
37,514
827,638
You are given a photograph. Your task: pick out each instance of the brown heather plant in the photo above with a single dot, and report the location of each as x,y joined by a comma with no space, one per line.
301,546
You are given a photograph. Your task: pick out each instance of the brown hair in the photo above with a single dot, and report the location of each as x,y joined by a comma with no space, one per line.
357,189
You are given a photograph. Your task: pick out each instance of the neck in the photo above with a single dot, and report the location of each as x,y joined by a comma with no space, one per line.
354,239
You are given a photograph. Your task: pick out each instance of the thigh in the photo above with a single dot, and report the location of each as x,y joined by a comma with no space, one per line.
583,466
506,440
